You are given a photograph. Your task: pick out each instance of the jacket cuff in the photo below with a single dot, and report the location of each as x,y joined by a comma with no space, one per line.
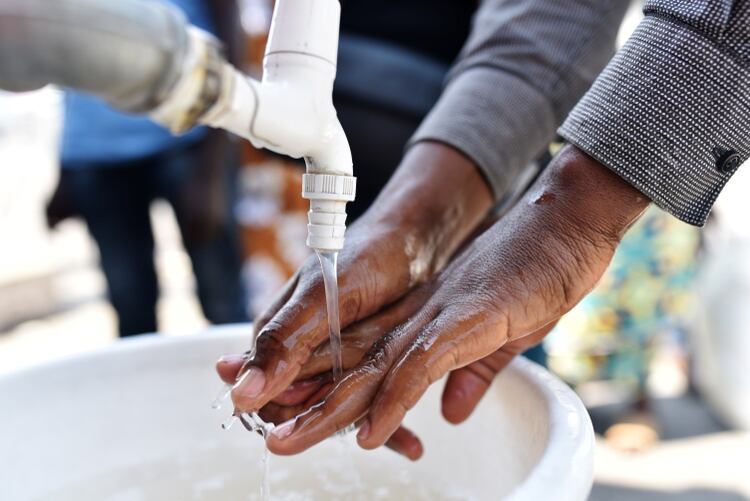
670,115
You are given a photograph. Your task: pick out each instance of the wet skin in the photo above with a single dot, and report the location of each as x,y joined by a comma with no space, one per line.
497,297
463,390
408,234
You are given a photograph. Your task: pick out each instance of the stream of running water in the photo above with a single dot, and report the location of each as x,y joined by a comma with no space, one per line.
330,279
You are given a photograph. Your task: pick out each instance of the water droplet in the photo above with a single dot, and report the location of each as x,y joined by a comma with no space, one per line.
545,198
226,425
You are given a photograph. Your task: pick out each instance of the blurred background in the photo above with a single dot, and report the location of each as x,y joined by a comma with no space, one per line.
658,352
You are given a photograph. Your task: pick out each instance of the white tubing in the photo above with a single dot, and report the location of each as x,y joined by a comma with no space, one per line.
237,105
128,52
328,195
305,27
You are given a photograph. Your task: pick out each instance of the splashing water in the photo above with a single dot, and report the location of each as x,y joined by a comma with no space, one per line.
254,423
221,397
265,485
328,265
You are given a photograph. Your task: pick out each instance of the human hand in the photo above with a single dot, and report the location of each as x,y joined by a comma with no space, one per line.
463,390
409,233
516,278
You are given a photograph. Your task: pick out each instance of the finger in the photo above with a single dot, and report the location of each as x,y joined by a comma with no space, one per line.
282,297
299,391
280,350
344,406
275,413
406,443
466,386
228,367
450,341
403,441
350,400
356,341
301,324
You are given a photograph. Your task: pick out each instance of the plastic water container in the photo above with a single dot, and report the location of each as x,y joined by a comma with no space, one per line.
134,422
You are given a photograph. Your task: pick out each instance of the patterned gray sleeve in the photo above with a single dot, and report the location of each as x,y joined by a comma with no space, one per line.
671,112
524,66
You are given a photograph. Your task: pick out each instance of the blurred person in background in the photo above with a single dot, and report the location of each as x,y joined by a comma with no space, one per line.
392,64
115,165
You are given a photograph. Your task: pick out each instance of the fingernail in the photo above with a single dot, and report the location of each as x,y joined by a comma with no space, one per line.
231,359
364,431
284,429
251,383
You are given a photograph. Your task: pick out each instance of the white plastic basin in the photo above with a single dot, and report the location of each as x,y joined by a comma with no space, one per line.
133,422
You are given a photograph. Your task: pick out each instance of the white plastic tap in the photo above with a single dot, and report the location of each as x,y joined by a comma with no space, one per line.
290,111
143,57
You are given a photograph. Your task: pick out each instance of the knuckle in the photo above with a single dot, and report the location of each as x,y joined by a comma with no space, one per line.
270,340
381,354
362,287
373,366
396,405
351,306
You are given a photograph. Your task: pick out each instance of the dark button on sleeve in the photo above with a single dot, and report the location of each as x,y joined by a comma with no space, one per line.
727,160
671,95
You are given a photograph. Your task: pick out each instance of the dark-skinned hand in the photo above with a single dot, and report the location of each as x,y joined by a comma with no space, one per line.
410,232
517,277
463,390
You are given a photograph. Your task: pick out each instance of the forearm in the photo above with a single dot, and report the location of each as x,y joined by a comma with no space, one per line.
525,65
592,200
435,198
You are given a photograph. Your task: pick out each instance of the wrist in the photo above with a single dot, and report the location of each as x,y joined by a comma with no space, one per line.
594,200
432,182
555,244
435,198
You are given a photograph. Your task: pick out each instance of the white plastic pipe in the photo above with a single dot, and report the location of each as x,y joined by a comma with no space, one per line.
151,61
128,52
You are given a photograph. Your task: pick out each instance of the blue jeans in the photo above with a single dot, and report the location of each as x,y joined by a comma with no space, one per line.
114,200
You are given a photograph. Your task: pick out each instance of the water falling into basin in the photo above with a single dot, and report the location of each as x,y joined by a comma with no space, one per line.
254,423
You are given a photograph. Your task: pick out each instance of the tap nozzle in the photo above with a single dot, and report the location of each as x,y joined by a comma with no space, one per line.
328,195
